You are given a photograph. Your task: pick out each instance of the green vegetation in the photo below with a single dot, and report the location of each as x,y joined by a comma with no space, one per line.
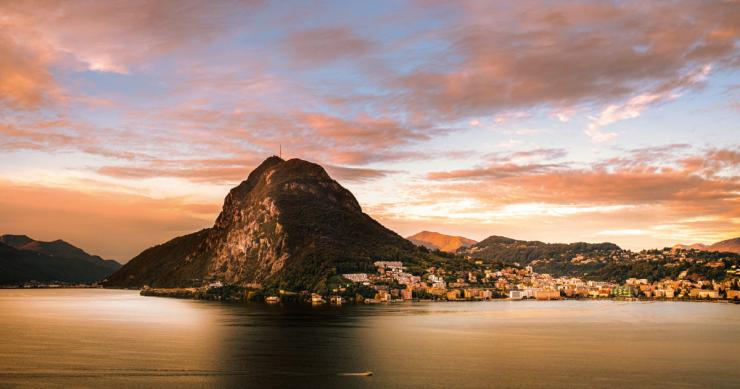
523,252
665,268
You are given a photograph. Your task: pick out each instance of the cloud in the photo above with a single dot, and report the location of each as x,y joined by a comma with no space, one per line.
540,154
350,174
222,171
25,82
724,162
329,138
494,171
634,107
215,171
321,45
92,31
147,91
597,135
622,232
508,164
110,36
661,177
59,134
662,192
573,54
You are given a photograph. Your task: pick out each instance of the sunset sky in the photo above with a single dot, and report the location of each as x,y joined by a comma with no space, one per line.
124,124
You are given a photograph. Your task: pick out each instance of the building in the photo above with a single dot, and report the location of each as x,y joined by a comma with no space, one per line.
383,295
703,293
407,294
621,291
547,294
453,294
669,293
439,292
389,264
515,294
486,294
215,285
581,291
317,299
356,277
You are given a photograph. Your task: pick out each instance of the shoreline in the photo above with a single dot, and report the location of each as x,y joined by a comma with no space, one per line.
200,294
196,294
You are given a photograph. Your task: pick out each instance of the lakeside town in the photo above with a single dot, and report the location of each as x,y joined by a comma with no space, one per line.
392,282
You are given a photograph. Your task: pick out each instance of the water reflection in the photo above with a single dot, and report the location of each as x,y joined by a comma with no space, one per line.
93,338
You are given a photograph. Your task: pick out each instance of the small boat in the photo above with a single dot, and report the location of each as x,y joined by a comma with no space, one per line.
272,299
360,374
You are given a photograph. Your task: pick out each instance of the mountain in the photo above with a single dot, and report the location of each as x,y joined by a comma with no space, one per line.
695,246
729,245
510,250
437,241
24,259
288,226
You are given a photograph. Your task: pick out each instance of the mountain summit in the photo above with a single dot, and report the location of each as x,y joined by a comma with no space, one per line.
442,242
289,225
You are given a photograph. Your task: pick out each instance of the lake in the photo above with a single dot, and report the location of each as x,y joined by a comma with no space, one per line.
113,338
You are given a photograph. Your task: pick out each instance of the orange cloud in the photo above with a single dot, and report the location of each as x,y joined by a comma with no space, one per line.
671,191
227,170
652,175
25,82
60,135
659,195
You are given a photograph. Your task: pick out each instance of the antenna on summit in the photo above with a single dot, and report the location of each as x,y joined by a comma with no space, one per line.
281,151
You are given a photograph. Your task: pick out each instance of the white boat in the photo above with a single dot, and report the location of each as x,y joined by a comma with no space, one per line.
360,374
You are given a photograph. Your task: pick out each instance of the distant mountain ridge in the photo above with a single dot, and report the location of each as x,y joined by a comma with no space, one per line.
289,225
729,245
506,249
436,241
24,259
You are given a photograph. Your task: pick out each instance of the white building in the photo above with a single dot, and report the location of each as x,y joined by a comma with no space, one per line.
356,277
517,294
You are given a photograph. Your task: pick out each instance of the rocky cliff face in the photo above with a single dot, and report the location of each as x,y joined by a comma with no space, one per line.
289,225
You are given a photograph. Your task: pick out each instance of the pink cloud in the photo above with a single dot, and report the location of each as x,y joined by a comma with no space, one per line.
325,44
568,55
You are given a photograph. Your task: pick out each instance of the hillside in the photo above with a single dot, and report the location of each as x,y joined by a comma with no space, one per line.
442,242
288,226
510,250
573,259
23,259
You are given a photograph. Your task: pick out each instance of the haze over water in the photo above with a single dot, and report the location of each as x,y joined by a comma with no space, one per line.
112,338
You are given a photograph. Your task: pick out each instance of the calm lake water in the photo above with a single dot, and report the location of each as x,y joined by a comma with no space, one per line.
111,338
